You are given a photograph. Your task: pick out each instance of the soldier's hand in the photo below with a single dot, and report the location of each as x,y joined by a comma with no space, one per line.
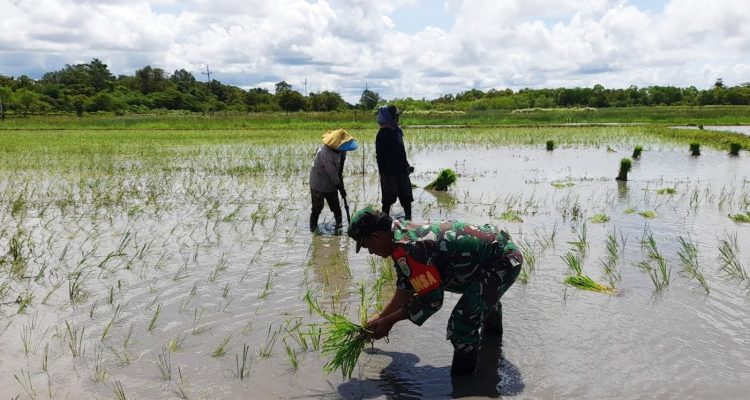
379,327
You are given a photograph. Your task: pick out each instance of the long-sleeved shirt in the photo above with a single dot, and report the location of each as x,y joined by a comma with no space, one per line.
325,174
390,152
433,257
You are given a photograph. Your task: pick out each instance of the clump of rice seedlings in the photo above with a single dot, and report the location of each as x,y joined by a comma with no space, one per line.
659,274
291,354
74,339
612,258
176,343
26,384
100,372
221,349
581,244
266,286
111,321
729,258
529,262
183,386
119,391
630,210
625,166
243,368
562,184
550,145
154,318
688,254
445,178
741,218
637,152
221,265
599,218
734,149
578,279
315,332
648,214
511,215
164,362
669,191
695,149
266,347
343,339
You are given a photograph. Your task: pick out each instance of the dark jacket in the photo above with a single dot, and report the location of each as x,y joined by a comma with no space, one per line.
390,152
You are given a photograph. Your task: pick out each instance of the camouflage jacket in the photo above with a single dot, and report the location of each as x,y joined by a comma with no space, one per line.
433,257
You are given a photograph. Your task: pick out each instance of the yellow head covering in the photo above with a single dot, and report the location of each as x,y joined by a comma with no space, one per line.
336,138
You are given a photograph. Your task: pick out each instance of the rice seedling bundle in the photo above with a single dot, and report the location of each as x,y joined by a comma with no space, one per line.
734,149
625,165
444,179
343,339
583,282
695,149
550,145
637,152
742,218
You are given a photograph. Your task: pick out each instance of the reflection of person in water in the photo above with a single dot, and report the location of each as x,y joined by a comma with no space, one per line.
330,263
404,379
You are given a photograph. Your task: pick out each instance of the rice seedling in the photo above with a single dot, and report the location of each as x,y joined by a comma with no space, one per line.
625,166
266,346
688,254
612,258
243,369
581,245
445,179
585,283
119,391
637,152
729,259
266,286
550,145
734,149
74,339
695,149
573,261
100,372
45,358
599,218
630,210
659,274
221,349
562,184
648,214
164,363
669,191
109,325
221,265
510,215
154,318
740,218
175,344
26,384
183,386
291,354
529,262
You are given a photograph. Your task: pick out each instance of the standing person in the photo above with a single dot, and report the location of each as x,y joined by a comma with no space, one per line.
327,175
393,167
479,262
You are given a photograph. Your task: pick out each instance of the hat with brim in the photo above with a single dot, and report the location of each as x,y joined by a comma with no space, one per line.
335,138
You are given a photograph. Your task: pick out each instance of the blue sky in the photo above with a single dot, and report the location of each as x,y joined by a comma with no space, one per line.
419,48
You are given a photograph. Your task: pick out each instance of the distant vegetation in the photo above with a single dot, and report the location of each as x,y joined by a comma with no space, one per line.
91,87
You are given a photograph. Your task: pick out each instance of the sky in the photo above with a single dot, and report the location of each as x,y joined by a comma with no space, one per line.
398,48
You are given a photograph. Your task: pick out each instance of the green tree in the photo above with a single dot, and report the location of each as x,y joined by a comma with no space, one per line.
283,87
150,80
326,101
368,100
291,100
183,80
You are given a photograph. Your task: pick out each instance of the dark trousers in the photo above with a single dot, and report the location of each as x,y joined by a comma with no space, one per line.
332,198
393,187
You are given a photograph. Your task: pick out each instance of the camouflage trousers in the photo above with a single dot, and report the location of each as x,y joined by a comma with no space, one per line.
481,301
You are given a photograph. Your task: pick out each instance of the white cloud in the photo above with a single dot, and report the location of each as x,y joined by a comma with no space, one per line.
341,45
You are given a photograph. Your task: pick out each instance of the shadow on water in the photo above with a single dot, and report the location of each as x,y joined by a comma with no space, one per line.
404,379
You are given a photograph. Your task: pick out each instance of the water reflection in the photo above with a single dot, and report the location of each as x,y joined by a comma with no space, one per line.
404,379
329,262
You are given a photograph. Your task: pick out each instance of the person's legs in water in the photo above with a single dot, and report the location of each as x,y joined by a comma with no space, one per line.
332,198
317,207
478,301
405,196
492,326
388,191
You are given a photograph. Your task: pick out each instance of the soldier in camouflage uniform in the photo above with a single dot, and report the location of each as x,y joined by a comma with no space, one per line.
480,262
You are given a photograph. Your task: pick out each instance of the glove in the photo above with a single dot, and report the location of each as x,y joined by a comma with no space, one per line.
343,191
411,169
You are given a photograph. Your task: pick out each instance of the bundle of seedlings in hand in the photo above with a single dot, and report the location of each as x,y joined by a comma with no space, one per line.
446,178
343,339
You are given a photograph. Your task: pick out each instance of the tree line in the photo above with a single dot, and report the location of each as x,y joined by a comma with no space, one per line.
91,87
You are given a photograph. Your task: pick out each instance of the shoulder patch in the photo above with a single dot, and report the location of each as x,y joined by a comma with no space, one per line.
403,266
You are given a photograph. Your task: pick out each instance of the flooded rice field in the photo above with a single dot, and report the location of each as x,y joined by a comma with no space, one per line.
181,274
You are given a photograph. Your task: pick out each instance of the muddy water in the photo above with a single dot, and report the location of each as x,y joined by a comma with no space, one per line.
229,256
